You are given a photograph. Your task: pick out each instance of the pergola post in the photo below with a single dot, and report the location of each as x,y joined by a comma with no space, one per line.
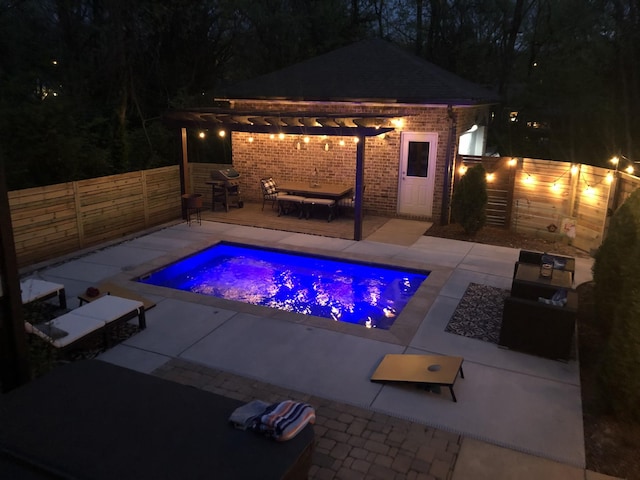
185,182
14,364
357,224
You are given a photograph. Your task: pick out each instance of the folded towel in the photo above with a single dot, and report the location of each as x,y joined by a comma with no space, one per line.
285,420
248,415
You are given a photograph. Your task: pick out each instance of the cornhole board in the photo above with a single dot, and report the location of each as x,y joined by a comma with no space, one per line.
424,370
94,420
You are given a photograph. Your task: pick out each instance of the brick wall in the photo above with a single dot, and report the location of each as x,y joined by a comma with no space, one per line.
291,159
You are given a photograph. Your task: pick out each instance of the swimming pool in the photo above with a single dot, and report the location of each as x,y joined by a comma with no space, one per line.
365,294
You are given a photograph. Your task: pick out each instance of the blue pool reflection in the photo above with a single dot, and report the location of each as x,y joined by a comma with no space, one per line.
364,294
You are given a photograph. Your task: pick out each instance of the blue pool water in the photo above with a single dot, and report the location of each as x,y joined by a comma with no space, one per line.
369,295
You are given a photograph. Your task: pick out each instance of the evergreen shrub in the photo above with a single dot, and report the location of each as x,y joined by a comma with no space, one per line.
469,203
617,296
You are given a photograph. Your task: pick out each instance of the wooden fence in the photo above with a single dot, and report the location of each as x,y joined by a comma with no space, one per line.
60,219
555,200
538,197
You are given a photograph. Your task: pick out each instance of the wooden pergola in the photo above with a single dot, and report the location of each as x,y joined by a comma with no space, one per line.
288,123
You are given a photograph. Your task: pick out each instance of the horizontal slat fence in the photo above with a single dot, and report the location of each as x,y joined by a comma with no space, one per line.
537,197
60,219
555,200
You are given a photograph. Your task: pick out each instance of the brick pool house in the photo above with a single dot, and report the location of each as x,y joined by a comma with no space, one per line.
369,114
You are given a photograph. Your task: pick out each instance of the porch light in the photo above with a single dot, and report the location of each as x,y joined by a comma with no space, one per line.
398,123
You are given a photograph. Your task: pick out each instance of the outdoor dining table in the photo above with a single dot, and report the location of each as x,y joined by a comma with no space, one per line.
304,196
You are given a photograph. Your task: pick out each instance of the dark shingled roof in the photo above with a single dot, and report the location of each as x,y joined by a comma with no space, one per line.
369,70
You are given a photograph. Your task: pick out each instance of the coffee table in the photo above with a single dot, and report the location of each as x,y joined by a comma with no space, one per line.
527,282
427,370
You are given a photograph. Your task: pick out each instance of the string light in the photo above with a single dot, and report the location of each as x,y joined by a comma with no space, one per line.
202,134
491,177
512,162
574,169
462,170
222,133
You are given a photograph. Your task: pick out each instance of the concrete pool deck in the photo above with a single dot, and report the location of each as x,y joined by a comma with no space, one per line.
511,406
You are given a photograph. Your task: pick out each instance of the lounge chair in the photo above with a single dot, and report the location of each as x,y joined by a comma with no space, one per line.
97,317
33,289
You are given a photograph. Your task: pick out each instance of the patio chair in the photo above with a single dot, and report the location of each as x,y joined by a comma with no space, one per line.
33,289
269,191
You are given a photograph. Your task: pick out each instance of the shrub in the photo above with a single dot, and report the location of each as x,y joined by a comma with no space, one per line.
617,296
469,203
612,258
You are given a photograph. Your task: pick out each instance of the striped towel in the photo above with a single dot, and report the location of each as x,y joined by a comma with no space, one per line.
283,421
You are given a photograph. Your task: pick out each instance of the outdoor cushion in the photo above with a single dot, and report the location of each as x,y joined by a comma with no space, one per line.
269,185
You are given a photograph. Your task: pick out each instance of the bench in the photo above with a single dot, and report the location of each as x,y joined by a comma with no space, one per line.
309,203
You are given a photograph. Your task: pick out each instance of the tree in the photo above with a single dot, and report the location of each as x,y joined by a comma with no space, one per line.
469,203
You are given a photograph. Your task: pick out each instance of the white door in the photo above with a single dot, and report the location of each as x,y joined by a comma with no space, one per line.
418,153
